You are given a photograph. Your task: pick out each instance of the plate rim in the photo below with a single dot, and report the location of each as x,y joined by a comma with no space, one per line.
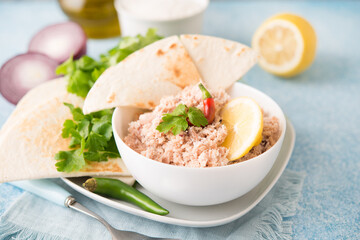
192,223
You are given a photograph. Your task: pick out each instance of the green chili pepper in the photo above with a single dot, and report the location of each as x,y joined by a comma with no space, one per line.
117,189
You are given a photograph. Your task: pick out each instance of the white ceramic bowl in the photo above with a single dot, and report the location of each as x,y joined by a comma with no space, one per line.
199,186
132,25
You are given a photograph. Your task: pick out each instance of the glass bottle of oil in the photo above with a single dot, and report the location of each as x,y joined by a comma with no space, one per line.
97,17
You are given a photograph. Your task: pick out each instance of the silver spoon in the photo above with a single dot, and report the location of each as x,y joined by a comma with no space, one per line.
56,194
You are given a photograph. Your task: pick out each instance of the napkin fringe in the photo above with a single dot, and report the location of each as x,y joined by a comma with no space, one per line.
8,231
272,225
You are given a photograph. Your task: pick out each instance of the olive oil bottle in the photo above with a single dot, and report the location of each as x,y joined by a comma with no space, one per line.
97,17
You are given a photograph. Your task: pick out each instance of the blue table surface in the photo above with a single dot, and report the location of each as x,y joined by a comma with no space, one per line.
323,103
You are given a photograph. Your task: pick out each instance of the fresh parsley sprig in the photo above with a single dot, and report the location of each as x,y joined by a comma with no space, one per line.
91,139
83,73
91,135
177,120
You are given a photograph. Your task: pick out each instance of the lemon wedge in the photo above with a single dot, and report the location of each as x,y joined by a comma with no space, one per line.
286,44
244,122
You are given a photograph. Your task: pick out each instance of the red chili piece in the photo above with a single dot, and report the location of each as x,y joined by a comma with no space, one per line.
209,104
209,109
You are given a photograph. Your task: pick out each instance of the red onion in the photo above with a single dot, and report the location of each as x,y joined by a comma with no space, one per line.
60,41
23,72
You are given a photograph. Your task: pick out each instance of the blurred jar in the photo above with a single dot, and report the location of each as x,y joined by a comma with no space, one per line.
97,17
169,17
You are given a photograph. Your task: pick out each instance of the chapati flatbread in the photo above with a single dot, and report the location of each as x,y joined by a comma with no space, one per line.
28,144
167,66
220,62
144,77
35,96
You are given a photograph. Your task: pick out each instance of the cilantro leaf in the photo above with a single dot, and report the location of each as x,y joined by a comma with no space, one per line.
80,83
174,123
106,112
180,124
69,126
84,128
95,74
95,156
99,156
165,125
76,112
66,67
96,142
197,117
76,138
111,147
180,110
86,63
69,161
91,137
177,120
103,127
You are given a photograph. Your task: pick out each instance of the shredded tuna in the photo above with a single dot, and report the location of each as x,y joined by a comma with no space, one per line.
196,147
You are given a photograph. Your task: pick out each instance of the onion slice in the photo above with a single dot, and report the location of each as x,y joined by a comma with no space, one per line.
23,72
60,41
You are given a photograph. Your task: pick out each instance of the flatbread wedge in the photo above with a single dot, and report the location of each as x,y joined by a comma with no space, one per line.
220,62
144,77
41,93
29,143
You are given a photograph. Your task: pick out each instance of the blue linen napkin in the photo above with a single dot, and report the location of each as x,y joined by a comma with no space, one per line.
31,217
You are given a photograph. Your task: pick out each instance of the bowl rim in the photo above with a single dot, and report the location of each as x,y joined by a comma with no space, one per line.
122,10
216,168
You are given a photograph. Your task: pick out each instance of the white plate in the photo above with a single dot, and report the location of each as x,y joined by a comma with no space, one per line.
203,216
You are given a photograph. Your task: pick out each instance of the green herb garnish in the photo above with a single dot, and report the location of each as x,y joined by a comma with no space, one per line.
91,139
177,120
91,135
83,73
